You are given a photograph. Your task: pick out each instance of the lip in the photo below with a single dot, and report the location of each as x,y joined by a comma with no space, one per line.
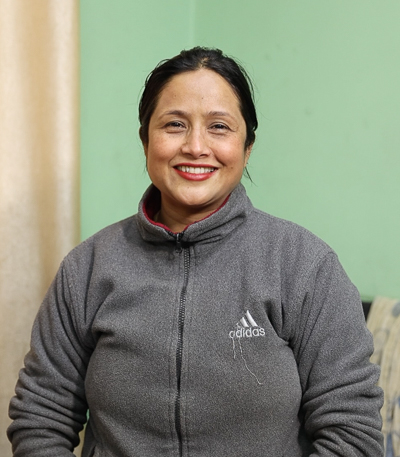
195,176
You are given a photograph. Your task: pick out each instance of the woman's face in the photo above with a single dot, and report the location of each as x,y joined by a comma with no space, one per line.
195,153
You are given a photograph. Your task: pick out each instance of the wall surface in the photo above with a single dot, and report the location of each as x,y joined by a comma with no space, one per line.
121,43
327,154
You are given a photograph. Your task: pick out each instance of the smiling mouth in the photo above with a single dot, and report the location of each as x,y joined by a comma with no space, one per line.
195,170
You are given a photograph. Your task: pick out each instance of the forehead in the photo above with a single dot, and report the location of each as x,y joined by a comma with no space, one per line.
203,86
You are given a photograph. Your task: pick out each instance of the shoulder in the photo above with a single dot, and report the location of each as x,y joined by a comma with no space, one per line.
104,247
282,227
287,239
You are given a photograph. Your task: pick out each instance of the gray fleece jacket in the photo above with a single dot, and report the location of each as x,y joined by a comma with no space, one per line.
241,336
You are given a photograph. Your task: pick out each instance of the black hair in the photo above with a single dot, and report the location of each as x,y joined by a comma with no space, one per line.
191,60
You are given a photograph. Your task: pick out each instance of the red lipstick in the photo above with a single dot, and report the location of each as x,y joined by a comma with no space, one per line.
198,172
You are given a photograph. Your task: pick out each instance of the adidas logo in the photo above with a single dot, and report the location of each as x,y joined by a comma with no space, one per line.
247,328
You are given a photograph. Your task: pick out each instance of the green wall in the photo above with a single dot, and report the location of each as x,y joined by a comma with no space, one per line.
327,78
121,40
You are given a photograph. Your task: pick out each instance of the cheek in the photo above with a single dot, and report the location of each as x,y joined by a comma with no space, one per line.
234,156
162,145
157,151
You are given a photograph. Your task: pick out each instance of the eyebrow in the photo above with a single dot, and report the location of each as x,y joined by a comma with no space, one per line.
219,113
177,112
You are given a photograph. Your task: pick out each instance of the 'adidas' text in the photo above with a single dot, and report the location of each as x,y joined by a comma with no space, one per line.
246,332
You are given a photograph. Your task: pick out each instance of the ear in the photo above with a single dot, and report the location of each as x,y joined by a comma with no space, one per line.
247,153
143,143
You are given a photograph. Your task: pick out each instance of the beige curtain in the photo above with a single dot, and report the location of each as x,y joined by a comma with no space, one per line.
384,324
39,167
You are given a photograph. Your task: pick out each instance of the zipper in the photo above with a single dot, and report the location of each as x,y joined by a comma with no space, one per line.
179,347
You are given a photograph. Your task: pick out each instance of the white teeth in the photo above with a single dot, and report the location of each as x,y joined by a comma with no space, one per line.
195,170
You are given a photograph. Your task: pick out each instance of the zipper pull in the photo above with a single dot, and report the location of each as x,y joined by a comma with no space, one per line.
178,242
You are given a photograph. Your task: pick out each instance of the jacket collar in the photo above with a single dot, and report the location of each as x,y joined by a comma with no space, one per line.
211,229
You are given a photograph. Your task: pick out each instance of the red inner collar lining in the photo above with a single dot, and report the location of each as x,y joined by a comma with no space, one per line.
152,205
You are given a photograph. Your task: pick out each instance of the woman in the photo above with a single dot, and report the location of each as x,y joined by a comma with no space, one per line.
200,326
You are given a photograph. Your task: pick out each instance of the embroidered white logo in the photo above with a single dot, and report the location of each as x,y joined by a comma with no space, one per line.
247,328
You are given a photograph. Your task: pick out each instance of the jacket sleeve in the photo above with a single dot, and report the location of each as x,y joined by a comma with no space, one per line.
341,402
49,409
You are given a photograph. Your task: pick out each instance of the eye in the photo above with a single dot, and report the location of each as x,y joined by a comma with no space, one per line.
174,125
219,126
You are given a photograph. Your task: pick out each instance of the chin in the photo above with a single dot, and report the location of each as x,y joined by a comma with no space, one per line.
200,204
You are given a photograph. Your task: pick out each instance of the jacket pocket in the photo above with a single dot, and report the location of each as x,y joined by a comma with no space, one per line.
90,450
91,453
298,444
293,447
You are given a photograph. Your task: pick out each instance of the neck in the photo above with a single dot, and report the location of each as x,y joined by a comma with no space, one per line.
177,221
176,218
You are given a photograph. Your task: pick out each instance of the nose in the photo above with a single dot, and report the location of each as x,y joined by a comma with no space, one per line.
196,143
